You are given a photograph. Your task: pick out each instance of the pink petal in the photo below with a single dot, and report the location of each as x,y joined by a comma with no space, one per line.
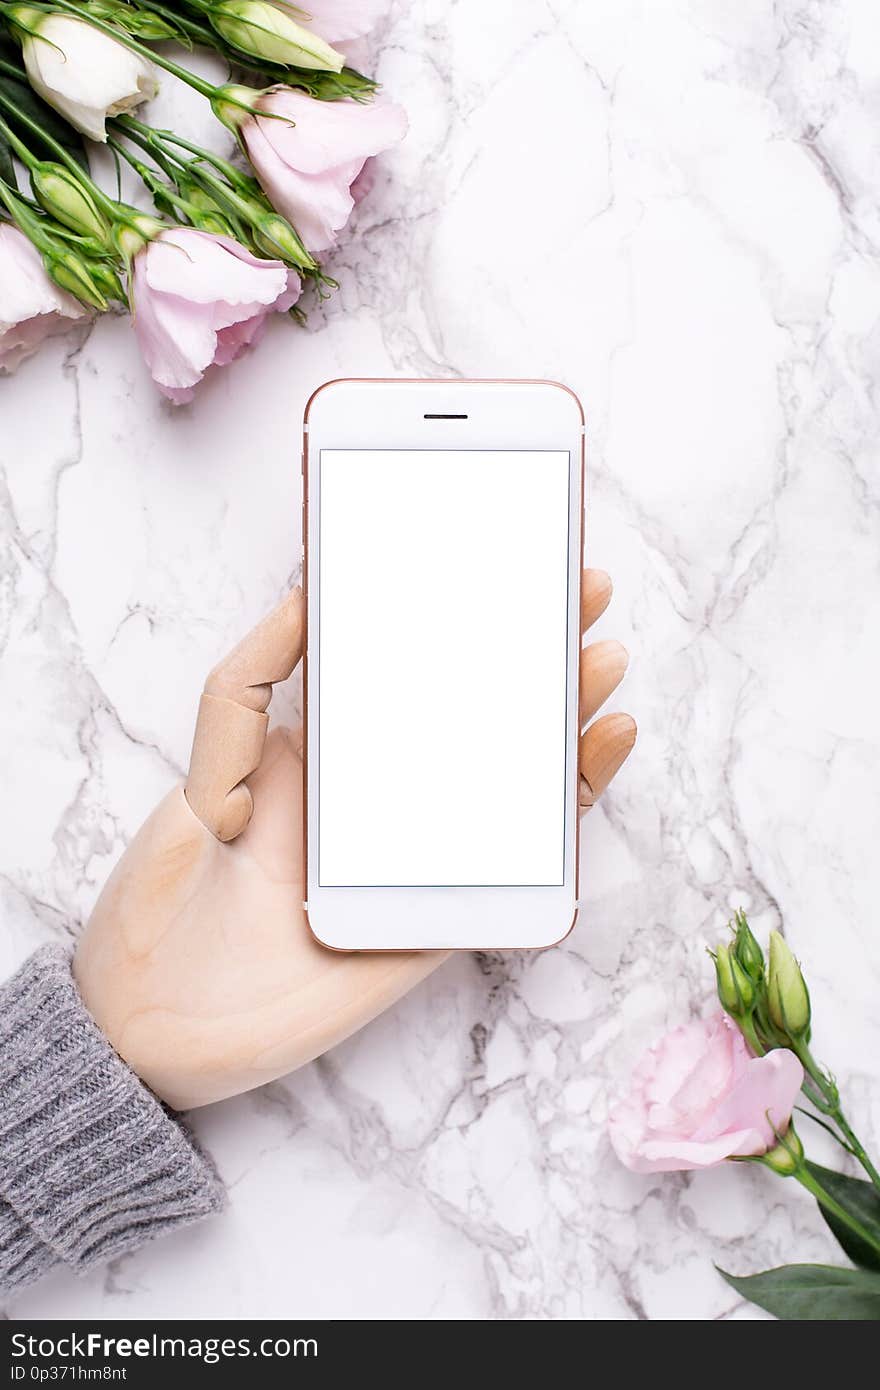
762,1099
290,295
307,168
341,19
177,339
674,1156
19,341
31,305
232,341
328,134
317,205
198,301
206,269
698,1097
364,183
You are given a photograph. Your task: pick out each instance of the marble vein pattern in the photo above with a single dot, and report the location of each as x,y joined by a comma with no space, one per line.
672,207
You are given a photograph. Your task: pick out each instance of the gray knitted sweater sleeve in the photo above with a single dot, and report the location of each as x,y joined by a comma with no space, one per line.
91,1163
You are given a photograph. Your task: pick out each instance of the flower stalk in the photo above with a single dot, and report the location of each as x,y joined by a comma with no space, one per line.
169,200
787,1160
777,1013
235,198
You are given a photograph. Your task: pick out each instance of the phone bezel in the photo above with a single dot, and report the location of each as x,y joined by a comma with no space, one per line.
364,413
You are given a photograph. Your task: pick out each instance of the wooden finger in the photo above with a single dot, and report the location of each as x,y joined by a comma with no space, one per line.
596,591
604,748
232,722
603,666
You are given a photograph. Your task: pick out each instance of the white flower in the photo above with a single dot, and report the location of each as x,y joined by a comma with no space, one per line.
84,74
31,305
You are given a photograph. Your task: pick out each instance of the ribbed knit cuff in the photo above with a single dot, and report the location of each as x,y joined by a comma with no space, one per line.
23,1257
91,1163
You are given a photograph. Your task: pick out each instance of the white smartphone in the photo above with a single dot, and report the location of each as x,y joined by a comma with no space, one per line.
442,526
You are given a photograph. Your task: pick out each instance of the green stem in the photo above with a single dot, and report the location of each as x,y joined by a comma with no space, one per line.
118,213
156,153
149,177
19,213
808,1115
832,1107
243,207
855,1147
815,1097
154,139
749,1032
19,148
807,1180
60,153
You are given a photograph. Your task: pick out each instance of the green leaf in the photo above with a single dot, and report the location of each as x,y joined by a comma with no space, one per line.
27,100
812,1293
862,1200
7,170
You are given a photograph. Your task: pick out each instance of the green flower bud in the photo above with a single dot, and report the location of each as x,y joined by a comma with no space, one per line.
148,227
73,274
747,950
213,222
745,986
196,195
64,197
735,990
203,210
231,105
107,280
278,239
786,1158
132,235
788,998
263,31
727,992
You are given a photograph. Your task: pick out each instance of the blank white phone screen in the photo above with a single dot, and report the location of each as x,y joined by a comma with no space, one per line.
443,616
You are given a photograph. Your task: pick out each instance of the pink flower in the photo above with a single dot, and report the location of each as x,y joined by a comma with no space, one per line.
336,20
198,301
31,305
307,168
698,1096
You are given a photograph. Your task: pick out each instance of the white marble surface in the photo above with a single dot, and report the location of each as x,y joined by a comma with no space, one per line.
672,207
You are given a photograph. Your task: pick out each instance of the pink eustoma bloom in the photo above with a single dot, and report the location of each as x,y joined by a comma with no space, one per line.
308,162
337,20
199,300
698,1096
31,305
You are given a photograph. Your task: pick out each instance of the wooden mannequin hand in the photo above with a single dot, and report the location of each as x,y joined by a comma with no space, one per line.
197,961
